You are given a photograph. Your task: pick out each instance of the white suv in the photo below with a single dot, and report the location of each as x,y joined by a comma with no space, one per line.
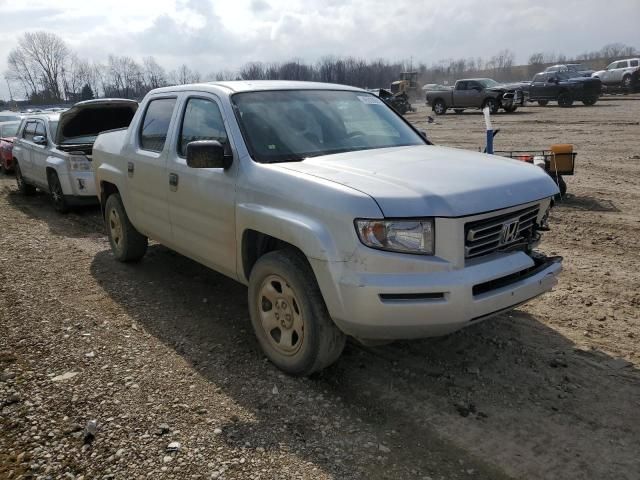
620,72
53,151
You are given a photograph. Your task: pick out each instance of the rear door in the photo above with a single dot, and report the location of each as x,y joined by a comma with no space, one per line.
147,169
460,94
202,200
476,94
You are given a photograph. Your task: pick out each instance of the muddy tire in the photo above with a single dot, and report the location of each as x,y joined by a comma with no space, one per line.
565,100
493,105
56,193
590,101
511,109
543,103
289,315
23,187
439,107
458,110
127,244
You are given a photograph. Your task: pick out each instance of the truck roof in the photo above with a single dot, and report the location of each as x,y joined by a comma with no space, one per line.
257,85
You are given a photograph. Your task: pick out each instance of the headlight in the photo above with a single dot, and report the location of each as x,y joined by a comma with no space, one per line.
79,164
405,236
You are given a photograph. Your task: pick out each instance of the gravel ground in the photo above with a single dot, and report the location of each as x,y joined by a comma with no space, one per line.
152,371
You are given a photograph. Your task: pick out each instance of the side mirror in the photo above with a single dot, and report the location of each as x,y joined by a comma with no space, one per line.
40,140
207,154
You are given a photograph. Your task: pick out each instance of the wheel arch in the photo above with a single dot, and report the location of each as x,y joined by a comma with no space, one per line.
107,189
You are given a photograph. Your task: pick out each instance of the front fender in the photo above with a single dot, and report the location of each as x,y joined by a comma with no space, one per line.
60,167
307,234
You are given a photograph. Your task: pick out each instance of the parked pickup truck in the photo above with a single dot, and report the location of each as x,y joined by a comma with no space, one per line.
340,217
564,88
475,93
53,151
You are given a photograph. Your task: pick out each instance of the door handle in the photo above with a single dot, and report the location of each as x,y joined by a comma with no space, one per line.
130,169
173,181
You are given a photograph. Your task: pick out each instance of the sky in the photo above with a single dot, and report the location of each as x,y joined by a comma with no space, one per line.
215,35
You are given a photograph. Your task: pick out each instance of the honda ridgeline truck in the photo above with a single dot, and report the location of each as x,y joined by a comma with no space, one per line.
340,217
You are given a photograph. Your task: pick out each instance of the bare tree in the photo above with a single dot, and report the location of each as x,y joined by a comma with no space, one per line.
183,75
154,76
47,54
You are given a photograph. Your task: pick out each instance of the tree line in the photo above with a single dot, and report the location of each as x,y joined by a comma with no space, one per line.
46,70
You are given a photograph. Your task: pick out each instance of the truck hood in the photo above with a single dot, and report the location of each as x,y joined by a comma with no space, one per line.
419,181
85,120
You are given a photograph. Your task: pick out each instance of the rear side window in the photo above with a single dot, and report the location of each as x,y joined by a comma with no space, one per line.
202,121
633,63
539,77
461,86
155,124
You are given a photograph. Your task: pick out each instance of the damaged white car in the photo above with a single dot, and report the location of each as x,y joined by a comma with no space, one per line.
53,151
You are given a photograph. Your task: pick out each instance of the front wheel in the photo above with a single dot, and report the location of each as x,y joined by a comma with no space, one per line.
458,110
565,100
57,195
493,105
543,103
289,315
626,81
439,107
23,187
590,101
511,109
127,244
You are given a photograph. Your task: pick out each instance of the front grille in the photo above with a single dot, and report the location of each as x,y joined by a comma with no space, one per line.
503,232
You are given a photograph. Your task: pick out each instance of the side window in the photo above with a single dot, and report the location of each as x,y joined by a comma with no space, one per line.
202,121
461,85
539,77
40,130
633,63
621,64
29,131
155,124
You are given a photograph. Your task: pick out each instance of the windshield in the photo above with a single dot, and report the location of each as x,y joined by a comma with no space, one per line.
487,82
292,125
9,130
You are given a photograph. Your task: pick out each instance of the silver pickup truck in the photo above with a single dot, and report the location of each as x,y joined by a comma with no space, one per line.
475,93
340,217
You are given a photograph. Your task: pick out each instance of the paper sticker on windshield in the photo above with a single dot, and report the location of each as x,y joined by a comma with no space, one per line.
370,99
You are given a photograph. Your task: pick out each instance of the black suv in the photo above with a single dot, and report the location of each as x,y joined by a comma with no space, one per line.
564,88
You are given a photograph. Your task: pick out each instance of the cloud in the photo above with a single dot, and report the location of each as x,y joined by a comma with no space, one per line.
259,6
212,36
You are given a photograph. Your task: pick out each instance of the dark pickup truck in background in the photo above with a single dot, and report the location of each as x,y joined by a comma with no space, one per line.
561,87
475,93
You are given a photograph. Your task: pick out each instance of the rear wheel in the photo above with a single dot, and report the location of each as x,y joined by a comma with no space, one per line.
565,100
23,186
589,101
289,315
127,244
458,110
543,103
439,107
56,193
511,109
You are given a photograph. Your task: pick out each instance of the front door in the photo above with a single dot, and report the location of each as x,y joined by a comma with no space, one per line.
202,200
22,149
39,154
147,170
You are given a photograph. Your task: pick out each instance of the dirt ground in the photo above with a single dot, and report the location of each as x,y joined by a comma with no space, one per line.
163,351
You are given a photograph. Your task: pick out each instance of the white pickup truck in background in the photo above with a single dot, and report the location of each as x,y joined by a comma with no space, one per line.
340,217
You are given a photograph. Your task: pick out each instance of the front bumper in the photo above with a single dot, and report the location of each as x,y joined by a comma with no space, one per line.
414,305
